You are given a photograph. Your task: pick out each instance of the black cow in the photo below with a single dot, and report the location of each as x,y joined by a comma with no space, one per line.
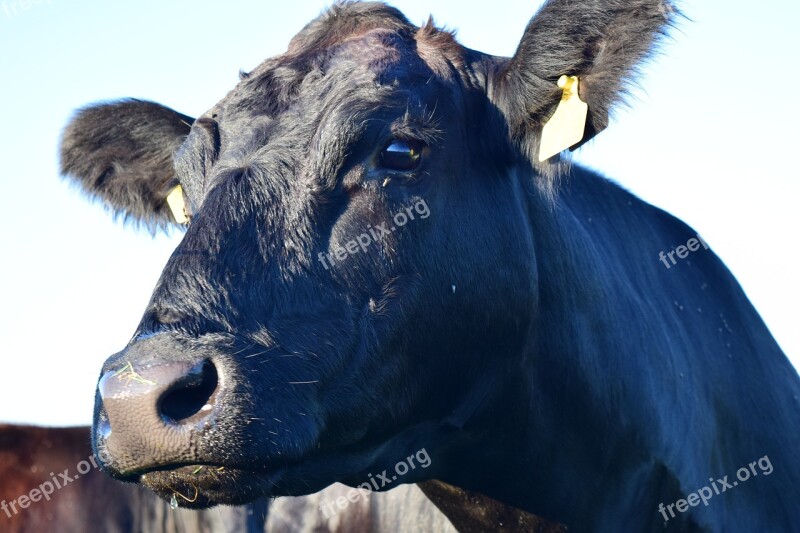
379,265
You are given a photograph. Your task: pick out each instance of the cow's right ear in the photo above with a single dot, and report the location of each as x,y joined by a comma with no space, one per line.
122,153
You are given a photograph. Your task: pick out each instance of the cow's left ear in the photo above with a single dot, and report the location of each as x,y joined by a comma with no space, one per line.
122,153
600,42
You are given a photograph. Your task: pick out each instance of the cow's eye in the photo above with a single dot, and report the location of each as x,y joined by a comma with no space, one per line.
402,155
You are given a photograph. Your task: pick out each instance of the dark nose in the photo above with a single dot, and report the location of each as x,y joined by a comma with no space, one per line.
153,415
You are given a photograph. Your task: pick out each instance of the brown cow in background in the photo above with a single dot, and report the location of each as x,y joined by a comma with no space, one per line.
34,459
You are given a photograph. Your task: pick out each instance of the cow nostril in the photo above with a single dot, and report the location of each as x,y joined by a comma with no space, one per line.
190,395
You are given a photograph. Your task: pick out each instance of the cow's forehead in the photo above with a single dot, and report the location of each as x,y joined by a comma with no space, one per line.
379,51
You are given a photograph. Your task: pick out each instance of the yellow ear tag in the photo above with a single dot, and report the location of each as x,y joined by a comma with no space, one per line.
177,205
568,124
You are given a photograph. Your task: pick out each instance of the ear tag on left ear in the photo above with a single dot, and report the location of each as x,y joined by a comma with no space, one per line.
177,205
567,125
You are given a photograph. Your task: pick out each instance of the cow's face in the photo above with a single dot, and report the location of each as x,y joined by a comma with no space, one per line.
359,256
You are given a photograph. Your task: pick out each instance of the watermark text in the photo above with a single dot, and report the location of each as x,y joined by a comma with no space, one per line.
376,482
682,251
719,486
48,488
375,234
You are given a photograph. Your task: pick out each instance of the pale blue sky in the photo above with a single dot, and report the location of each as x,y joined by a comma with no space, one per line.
711,137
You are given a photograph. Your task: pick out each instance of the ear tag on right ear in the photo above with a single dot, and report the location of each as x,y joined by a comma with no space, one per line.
567,125
177,205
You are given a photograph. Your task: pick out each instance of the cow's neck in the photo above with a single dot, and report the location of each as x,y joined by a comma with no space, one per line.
622,403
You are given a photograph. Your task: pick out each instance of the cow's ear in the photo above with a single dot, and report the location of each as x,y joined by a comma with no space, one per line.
122,153
600,42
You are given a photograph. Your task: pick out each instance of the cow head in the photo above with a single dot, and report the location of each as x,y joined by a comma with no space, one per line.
358,277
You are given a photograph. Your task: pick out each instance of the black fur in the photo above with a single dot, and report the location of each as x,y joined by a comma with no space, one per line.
600,41
526,336
122,153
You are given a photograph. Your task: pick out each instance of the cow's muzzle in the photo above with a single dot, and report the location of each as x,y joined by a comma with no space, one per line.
154,411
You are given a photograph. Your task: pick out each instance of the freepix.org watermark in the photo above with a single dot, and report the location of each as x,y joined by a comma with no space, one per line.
374,234
376,482
719,486
46,489
682,251
11,8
